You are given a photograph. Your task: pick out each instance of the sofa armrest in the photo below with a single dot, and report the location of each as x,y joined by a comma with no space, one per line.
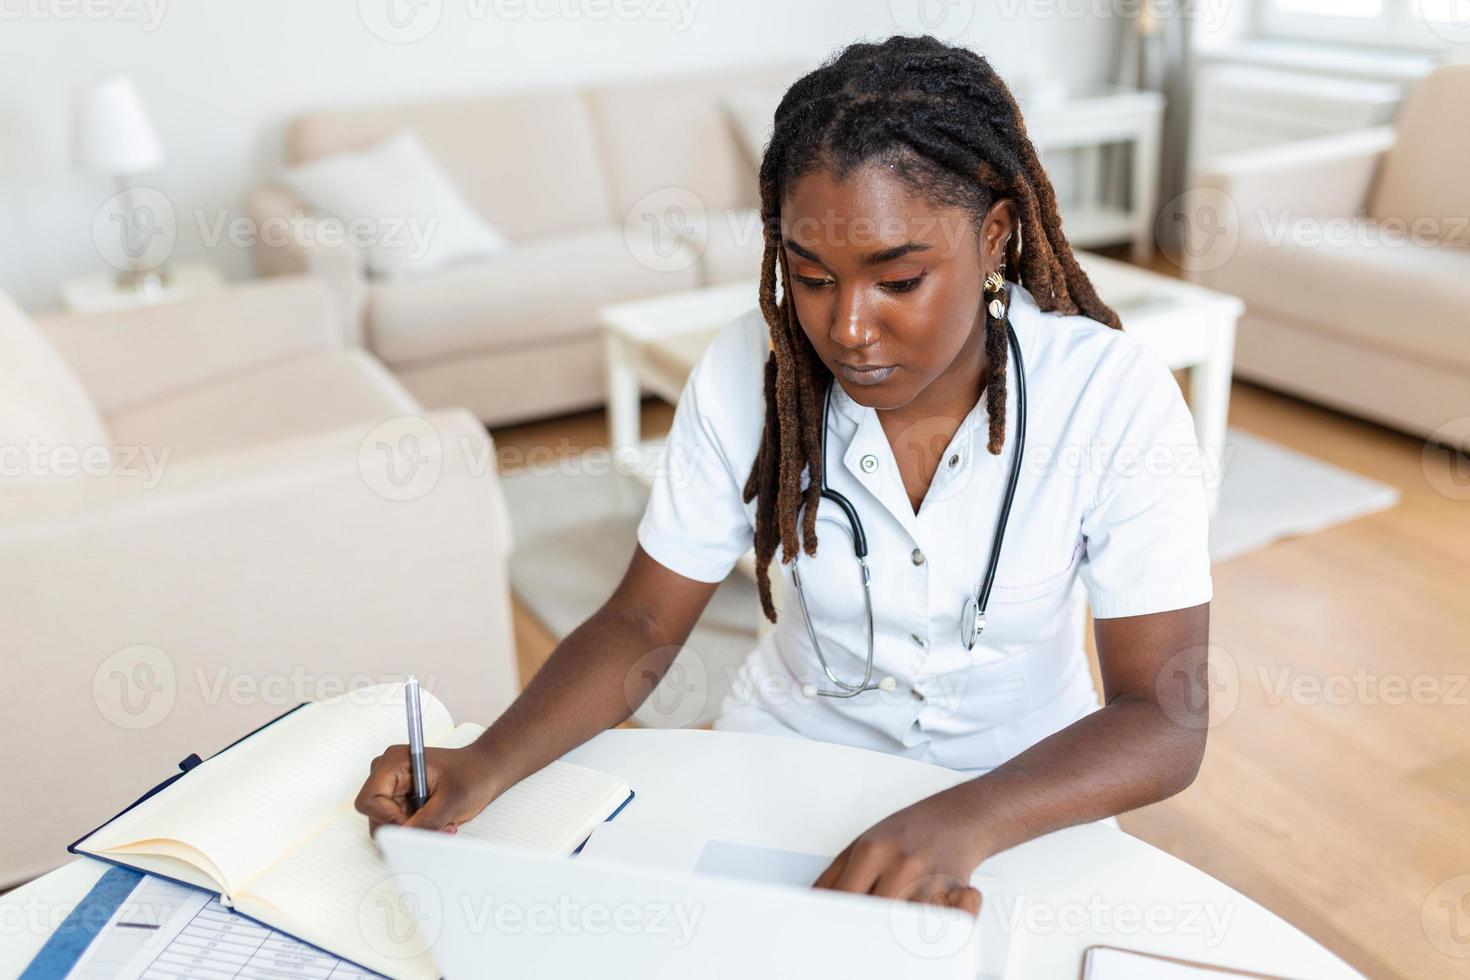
290,240
1324,177
144,623
130,356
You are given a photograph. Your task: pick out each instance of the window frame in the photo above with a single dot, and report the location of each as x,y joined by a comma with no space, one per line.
1396,27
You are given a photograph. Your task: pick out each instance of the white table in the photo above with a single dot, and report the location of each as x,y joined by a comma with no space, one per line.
1054,896
100,293
653,344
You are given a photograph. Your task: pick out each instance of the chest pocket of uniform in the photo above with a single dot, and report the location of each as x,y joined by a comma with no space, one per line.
1024,612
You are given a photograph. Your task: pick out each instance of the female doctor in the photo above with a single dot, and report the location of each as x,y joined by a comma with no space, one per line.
931,316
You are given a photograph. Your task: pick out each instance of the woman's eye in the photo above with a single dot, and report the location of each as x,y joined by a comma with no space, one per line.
811,283
903,285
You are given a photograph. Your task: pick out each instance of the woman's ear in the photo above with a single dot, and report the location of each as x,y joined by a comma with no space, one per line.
995,232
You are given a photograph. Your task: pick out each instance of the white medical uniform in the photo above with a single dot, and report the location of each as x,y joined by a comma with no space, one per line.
1111,490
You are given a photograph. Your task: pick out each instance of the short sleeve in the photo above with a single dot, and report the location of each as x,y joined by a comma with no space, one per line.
696,523
1147,526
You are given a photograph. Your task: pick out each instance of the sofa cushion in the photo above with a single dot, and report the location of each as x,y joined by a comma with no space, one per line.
1378,290
543,291
673,132
418,221
42,404
293,397
1424,176
493,150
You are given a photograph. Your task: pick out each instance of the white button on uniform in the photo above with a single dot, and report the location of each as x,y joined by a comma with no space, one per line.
917,557
869,463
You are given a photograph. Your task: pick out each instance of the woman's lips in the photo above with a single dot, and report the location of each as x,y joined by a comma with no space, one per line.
867,376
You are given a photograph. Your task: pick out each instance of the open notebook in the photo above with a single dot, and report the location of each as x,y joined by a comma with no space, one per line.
269,825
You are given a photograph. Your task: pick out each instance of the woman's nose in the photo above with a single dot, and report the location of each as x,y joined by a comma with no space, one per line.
849,322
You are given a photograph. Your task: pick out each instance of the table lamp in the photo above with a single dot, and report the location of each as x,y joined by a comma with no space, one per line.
114,136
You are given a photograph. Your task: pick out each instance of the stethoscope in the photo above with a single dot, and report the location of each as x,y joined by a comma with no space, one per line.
972,615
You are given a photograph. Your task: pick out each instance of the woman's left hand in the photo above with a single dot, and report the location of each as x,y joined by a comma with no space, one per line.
923,853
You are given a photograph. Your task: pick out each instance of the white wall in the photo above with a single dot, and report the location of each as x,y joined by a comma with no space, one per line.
220,77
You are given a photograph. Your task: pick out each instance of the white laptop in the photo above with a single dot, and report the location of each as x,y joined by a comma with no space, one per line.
488,909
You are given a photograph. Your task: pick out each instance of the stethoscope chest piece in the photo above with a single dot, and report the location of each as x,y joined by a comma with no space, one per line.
972,623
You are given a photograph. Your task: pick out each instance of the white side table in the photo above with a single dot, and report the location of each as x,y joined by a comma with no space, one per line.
1092,123
100,293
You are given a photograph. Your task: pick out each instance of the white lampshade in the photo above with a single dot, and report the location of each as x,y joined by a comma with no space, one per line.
113,134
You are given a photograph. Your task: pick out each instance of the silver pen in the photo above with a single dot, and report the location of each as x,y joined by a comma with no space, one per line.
420,794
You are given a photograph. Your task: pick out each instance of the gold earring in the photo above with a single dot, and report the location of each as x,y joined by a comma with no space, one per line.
995,285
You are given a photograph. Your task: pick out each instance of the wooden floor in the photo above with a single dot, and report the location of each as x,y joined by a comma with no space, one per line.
1341,806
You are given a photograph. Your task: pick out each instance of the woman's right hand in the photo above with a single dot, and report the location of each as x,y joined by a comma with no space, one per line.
461,784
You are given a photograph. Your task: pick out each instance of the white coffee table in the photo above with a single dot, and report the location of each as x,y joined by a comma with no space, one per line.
1046,901
653,344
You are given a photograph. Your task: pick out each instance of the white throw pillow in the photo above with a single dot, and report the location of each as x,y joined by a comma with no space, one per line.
396,203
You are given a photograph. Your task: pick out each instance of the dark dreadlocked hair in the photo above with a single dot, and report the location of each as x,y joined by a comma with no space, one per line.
946,124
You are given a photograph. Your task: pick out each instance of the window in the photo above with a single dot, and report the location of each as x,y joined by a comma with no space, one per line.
1396,23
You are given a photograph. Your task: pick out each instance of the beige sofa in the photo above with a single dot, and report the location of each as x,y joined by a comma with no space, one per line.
197,532
1352,253
587,184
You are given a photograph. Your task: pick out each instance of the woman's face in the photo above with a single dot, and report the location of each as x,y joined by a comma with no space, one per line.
888,287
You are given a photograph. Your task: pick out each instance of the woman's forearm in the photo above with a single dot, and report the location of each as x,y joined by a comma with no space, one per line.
1123,756
583,689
